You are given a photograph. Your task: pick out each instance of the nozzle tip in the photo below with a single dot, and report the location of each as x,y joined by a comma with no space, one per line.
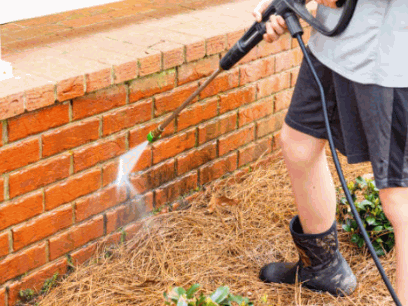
150,137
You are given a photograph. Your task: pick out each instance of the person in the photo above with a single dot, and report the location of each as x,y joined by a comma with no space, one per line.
365,78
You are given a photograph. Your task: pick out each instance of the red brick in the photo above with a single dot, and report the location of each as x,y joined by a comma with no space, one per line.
216,44
276,141
225,81
253,151
269,124
127,116
195,51
11,106
75,237
74,187
83,254
39,121
39,175
259,69
217,127
218,168
36,280
130,212
139,134
152,84
282,100
169,101
1,189
18,155
236,139
41,227
255,111
125,72
20,210
169,147
3,297
294,73
196,158
197,113
70,136
109,173
100,151
98,102
197,70
273,84
173,53
288,59
4,244
132,229
154,177
40,97
282,44
98,80
173,190
150,64
236,98
98,202
1,133
70,88
22,262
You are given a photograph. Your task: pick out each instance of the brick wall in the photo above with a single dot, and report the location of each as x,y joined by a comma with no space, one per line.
58,160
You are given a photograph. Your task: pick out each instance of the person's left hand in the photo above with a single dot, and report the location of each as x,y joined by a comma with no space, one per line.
328,3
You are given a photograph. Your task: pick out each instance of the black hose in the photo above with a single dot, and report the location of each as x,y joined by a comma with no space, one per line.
341,176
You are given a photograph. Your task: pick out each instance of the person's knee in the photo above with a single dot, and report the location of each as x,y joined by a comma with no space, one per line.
299,147
394,202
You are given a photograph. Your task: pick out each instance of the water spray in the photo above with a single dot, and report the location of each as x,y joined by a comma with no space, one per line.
288,9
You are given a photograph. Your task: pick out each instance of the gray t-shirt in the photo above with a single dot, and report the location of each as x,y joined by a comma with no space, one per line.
372,49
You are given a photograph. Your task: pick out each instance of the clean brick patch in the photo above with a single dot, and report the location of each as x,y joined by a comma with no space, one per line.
38,121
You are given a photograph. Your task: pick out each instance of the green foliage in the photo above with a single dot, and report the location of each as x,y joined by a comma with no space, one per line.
50,283
122,235
376,224
26,295
220,297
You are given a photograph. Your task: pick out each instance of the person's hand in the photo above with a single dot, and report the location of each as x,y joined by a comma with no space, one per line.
276,25
329,3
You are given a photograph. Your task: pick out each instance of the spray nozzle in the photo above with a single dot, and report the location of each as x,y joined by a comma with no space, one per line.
154,135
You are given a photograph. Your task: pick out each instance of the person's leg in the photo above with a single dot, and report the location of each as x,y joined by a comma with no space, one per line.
312,182
321,266
395,205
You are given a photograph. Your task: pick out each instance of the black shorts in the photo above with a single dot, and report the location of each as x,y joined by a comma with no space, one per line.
368,122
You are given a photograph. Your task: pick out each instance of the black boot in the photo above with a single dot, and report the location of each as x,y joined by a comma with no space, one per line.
321,266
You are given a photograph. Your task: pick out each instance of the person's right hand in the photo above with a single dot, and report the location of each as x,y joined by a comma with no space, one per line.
276,25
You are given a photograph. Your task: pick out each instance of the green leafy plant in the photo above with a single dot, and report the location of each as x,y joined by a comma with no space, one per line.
26,295
376,224
50,283
221,297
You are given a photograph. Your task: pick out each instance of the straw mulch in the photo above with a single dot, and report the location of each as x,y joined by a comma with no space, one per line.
225,247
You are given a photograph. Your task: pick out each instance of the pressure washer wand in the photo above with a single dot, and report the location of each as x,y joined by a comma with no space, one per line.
155,134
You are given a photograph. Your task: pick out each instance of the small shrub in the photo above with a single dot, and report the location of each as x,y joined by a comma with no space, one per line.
376,224
26,295
221,297
50,283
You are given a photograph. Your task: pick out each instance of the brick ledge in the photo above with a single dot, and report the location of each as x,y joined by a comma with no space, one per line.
66,70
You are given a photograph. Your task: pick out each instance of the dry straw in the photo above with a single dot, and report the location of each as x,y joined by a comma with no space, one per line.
225,247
